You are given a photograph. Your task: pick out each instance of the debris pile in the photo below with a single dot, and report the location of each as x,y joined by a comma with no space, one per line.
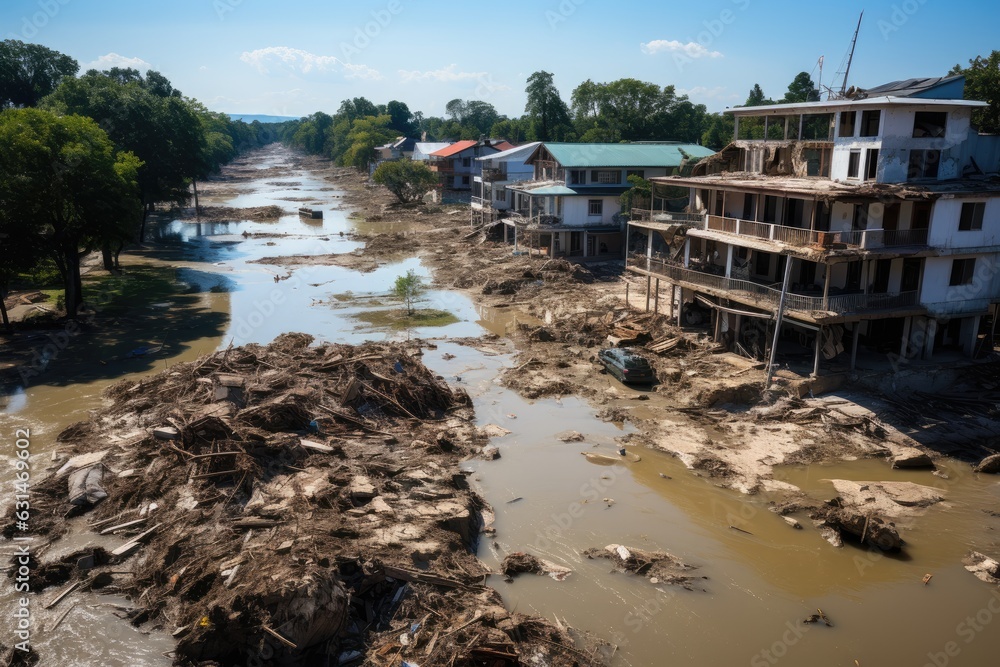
226,213
657,566
291,500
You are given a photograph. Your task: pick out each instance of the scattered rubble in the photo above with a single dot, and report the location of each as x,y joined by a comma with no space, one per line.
227,213
985,568
312,508
657,566
520,562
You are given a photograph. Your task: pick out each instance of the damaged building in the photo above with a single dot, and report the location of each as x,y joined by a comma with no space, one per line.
868,223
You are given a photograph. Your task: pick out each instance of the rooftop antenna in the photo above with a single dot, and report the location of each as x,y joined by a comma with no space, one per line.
843,87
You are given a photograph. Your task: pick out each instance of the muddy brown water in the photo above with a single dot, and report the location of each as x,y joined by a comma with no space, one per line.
548,498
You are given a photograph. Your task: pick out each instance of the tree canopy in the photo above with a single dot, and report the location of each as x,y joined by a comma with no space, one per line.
546,113
406,179
66,191
982,82
29,72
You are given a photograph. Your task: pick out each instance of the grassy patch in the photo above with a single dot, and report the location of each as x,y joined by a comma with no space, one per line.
138,287
397,318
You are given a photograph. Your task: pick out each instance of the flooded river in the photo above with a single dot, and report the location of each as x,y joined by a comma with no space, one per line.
761,580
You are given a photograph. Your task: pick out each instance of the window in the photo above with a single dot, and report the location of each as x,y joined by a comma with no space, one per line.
500,195
817,161
929,123
641,173
869,123
871,164
577,176
854,164
465,180
606,176
595,207
467,162
847,119
962,271
972,216
923,164
770,209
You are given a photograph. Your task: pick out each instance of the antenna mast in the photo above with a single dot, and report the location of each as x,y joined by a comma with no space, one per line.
843,87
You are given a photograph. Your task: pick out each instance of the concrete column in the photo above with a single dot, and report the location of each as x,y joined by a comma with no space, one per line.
826,286
905,344
656,297
854,345
687,252
649,283
974,336
819,346
729,260
929,339
680,304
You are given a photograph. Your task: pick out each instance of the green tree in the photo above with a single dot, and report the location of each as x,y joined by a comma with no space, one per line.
145,116
545,110
365,134
401,119
719,131
756,97
801,89
408,288
406,179
29,72
62,182
982,82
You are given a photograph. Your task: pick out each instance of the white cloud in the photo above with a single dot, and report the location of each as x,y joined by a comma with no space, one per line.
446,74
704,92
283,59
115,60
690,49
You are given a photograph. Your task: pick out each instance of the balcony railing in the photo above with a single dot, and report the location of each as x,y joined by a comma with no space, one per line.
767,297
646,215
866,239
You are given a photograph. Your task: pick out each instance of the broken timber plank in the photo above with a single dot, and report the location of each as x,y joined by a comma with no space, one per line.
136,542
122,526
69,589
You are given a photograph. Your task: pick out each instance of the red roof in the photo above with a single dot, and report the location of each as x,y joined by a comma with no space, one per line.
504,146
456,147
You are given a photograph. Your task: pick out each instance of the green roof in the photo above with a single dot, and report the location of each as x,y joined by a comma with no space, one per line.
667,154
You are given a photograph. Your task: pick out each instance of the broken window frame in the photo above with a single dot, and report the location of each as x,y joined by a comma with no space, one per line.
930,124
854,165
868,118
971,217
963,270
923,164
845,128
871,164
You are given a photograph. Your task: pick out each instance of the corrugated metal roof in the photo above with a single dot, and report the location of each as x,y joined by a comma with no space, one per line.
511,154
625,155
503,146
454,148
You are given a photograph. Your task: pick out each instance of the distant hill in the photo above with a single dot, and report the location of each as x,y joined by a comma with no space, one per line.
264,118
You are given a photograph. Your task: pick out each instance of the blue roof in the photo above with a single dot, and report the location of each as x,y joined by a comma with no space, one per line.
666,154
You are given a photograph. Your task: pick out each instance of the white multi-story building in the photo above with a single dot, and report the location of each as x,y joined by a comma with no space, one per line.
875,220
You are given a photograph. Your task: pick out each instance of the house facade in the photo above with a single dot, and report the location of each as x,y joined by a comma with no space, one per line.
572,204
456,163
490,195
868,223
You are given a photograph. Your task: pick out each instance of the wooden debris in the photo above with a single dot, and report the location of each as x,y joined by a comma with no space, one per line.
69,589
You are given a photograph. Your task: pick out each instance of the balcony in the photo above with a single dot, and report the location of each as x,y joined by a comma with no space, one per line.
646,215
864,239
767,297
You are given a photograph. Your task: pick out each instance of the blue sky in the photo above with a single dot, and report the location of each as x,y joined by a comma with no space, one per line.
294,57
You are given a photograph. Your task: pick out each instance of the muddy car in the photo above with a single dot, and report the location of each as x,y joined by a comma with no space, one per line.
628,366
